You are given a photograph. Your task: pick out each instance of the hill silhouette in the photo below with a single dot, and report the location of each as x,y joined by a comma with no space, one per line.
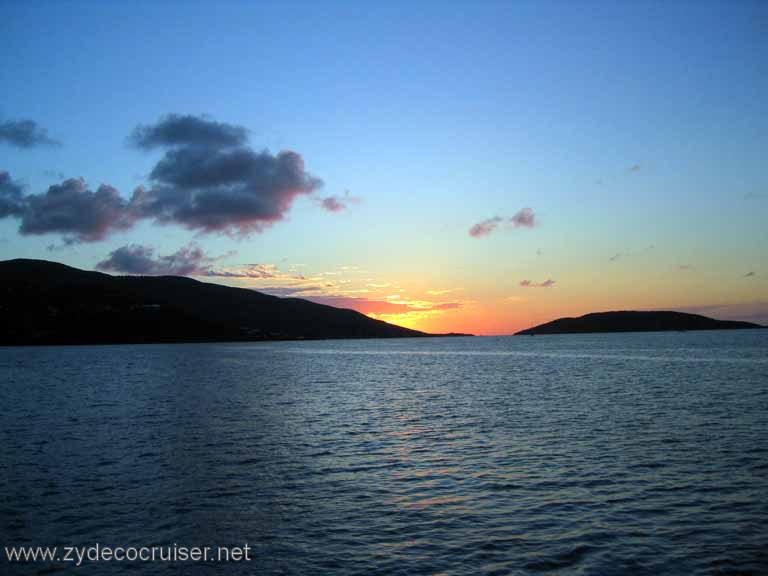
630,321
44,302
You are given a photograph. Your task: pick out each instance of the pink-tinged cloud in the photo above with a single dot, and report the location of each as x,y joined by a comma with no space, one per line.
525,218
529,284
338,203
485,227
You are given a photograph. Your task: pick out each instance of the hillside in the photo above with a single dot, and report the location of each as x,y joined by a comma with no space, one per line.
45,302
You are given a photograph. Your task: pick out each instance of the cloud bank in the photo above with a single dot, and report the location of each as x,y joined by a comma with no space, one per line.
208,180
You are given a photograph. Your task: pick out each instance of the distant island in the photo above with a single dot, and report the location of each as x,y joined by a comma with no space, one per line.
629,321
44,302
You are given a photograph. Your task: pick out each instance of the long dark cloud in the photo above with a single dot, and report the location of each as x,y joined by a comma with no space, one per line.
187,130
137,259
523,218
25,134
548,283
11,197
209,180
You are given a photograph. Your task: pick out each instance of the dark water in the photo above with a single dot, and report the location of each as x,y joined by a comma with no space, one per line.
593,454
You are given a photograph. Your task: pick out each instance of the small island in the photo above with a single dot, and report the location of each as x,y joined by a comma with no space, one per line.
633,321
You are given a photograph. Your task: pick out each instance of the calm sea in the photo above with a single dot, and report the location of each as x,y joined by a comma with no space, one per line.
584,454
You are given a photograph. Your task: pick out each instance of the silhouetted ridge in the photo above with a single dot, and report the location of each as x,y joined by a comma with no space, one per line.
629,321
45,302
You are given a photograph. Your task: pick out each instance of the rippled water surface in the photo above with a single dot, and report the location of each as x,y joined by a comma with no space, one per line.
588,454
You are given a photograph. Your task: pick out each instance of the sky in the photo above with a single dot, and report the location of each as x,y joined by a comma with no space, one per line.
448,166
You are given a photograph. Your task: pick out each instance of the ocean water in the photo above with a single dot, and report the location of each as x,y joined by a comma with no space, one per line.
579,454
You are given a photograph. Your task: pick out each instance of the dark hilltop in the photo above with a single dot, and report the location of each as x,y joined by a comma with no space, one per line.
629,321
45,302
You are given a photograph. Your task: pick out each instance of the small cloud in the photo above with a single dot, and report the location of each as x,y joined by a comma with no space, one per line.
525,218
685,267
615,257
750,274
539,252
634,168
338,203
54,175
753,196
529,284
485,227
25,134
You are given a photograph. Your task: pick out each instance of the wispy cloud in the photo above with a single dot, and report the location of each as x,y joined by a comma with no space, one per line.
530,284
750,274
615,257
634,168
25,134
685,267
524,218
485,227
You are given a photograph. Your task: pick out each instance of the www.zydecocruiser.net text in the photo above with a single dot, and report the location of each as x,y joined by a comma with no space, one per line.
78,555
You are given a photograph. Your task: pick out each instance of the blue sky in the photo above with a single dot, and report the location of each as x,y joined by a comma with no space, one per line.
622,125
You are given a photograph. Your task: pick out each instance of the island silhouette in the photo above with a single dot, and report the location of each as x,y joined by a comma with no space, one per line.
634,321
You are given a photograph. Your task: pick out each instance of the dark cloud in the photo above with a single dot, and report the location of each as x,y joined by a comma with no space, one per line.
525,218
11,198
186,130
685,267
76,212
634,168
750,274
137,259
485,227
615,257
209,181
546,284
25,134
